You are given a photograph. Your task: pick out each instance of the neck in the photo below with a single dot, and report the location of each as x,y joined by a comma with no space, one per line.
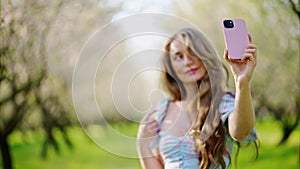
191,91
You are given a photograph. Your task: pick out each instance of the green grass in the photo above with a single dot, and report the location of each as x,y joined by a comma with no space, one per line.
271,155
87,154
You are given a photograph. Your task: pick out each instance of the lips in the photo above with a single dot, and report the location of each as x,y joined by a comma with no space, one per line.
192,71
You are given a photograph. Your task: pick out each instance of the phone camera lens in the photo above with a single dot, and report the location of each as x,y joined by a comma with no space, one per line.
228,23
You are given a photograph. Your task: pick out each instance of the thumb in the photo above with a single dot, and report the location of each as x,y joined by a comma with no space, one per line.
225,55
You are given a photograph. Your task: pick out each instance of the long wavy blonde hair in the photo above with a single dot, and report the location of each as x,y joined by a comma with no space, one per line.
208,130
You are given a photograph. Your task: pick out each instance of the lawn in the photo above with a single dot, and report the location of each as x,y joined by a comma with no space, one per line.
86,154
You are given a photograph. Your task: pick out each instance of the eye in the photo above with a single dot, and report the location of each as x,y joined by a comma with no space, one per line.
178,57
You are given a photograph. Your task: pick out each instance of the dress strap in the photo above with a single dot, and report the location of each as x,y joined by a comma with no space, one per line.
161,111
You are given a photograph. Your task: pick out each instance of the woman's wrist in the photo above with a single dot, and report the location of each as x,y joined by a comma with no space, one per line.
242,84
144,150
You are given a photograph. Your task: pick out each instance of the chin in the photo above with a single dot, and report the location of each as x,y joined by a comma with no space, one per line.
192,80
198,77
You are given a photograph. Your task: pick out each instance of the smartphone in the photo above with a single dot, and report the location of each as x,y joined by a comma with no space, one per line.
236,37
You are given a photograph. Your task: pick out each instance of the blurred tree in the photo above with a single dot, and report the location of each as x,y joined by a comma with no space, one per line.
34,92
55,113
295,5
284,101
23,67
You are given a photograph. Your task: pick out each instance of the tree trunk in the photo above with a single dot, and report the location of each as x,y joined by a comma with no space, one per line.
5,152
287,131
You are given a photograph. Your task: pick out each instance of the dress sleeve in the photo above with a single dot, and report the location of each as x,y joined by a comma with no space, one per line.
159,116
225,108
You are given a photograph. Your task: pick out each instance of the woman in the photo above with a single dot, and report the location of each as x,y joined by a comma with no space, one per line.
198,125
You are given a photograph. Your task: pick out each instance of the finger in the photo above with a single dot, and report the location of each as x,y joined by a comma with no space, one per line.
250,38
252,49
251,46
152,124
226,57
248,56
152,127
147,116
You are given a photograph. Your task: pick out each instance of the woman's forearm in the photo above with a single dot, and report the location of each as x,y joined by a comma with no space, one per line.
148,129
148,160
242,120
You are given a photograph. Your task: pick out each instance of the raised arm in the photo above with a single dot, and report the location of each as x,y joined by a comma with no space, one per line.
148,129
242,120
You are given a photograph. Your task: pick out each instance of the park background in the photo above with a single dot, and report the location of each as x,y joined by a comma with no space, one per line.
41,42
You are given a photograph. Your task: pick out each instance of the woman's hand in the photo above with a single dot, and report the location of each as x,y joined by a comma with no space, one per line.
243,69
148,129
242,120
148,126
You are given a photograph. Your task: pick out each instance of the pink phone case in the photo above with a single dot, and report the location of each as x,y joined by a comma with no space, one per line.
236,38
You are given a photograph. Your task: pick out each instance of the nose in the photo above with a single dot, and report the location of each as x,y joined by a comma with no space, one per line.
188,60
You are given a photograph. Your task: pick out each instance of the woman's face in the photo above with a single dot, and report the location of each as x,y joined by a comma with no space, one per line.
187,66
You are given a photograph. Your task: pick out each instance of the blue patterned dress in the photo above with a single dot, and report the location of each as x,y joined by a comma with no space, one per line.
180,152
